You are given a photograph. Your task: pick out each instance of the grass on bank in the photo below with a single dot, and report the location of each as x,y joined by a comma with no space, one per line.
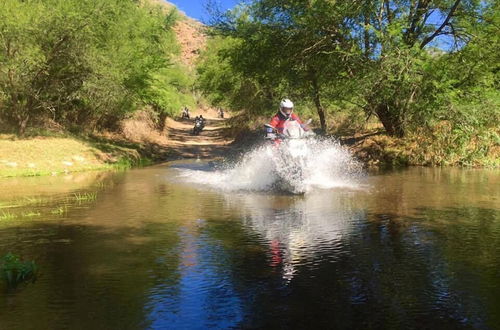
437,148
52,155
14,270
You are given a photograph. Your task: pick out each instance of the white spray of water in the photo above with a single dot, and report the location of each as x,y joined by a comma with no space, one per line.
296,166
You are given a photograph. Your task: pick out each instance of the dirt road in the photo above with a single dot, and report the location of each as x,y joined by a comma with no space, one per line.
211,143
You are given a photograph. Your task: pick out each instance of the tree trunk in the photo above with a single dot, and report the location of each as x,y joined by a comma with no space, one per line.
366,36
391,123
22,124
317,103
321,113
162,117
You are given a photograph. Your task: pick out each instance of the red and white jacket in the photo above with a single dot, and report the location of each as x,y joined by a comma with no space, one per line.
279,120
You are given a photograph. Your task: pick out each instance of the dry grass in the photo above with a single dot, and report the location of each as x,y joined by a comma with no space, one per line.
54,155
142,129
439,148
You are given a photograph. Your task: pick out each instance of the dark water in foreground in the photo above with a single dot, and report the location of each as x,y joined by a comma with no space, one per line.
416,249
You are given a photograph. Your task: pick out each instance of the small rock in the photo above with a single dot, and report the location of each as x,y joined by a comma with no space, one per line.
67,163
31,165
78,158
11,164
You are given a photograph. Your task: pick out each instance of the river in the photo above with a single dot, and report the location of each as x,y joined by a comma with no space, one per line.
147,249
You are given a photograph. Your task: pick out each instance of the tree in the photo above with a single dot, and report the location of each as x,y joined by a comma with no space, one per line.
79,62
296,47
380,55
396,37
225,85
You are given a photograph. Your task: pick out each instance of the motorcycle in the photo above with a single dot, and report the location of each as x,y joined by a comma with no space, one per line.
198,127
290,156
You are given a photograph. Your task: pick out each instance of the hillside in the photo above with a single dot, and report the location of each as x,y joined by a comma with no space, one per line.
191,39
189,33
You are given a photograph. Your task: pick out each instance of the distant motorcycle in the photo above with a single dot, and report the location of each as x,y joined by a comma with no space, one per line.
198,126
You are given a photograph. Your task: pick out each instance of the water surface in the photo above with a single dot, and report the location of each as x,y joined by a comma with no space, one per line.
145,249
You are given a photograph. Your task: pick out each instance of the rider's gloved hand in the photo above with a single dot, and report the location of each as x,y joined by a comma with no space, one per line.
270,136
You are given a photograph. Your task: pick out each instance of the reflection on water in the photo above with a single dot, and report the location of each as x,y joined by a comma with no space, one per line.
204,294
296,229
415,249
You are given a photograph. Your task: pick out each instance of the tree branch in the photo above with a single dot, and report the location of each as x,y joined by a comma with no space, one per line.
366,36
421,26
445,22
416,12
388,10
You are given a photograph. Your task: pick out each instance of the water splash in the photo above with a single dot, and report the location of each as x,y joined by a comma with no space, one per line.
296,166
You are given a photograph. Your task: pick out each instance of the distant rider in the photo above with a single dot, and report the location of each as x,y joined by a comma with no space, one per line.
279,120
198,125
185,112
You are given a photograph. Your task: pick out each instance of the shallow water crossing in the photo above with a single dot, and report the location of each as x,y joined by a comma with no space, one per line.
293,166
197,246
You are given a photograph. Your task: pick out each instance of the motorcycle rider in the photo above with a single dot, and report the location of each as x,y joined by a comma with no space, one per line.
279,120
185,112
198,125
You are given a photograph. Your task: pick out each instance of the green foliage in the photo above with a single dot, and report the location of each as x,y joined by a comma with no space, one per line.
81,62
14,271
411,64
31,214
226,86
91,196
285,49
60,210
7,216
168,90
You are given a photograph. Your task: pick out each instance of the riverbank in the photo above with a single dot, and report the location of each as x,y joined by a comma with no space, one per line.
138,143
376,149
42,155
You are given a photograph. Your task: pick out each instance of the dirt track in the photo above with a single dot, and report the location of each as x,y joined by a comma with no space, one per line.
211,143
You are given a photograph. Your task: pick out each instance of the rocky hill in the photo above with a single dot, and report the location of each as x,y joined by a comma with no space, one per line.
190,35
191,38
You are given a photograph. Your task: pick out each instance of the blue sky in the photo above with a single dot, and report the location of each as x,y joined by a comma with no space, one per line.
197,8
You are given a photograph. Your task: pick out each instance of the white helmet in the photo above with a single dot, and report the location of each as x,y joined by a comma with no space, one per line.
288,105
